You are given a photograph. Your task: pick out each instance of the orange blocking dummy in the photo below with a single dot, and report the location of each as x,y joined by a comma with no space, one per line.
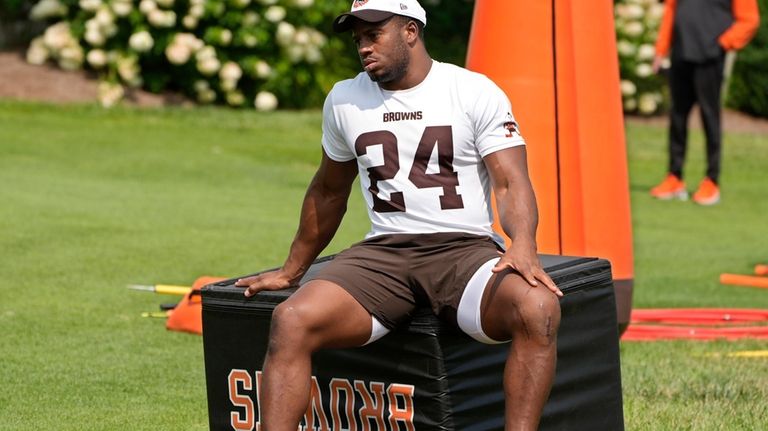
557,62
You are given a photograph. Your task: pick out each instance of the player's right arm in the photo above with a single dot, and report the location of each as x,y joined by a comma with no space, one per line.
321,213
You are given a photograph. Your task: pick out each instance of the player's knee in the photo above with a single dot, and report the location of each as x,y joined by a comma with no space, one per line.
540,316
290,329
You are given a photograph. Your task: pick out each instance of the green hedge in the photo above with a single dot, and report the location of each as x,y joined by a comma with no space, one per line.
448,25
266,53
637,24
16,30
11,10
748,88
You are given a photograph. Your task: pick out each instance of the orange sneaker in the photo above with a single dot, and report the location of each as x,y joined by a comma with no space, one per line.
708,192
671,188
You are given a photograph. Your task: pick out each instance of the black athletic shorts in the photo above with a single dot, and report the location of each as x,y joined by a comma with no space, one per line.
390,275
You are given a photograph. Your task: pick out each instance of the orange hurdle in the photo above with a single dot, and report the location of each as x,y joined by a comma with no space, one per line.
744,280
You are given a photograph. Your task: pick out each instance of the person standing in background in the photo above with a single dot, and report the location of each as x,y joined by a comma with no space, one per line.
698,33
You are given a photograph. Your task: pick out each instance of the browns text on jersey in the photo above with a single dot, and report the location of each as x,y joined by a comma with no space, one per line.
402,116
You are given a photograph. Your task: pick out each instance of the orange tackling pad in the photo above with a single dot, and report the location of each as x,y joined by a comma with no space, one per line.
188,314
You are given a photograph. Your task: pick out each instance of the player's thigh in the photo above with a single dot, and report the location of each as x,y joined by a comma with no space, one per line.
510,306
323,315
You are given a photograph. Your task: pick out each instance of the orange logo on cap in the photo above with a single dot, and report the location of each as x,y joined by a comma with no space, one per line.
358,3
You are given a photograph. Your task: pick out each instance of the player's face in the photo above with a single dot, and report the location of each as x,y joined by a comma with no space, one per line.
383,49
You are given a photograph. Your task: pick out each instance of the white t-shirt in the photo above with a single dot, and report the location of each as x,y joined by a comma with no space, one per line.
420,150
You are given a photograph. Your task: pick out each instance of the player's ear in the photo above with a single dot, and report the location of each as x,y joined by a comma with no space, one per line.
411,31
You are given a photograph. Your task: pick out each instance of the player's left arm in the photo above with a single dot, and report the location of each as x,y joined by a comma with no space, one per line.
518,214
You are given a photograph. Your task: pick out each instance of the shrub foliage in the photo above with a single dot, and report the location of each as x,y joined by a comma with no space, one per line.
637,25
239,52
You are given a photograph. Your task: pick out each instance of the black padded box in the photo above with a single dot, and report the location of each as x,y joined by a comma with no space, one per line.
425,375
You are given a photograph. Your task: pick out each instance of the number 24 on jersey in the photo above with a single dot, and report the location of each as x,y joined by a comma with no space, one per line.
440,136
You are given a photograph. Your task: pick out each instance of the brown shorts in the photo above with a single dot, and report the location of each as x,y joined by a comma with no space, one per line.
390,275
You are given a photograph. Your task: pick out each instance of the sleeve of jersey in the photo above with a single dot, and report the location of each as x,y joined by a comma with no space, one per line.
333,141
495,126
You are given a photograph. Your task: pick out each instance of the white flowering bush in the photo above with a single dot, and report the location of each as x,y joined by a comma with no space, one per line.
258,53
637,25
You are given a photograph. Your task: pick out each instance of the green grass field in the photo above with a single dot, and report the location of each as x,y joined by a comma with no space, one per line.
93,200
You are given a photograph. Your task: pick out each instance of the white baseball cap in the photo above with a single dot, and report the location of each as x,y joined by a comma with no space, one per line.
379,10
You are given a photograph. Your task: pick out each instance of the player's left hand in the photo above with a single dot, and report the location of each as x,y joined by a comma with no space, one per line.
524,260
272,280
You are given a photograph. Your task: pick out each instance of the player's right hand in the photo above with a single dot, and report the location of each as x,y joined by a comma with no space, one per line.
273,280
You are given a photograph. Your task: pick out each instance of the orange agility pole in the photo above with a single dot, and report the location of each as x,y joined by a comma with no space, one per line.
744,280
557,62
761,269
